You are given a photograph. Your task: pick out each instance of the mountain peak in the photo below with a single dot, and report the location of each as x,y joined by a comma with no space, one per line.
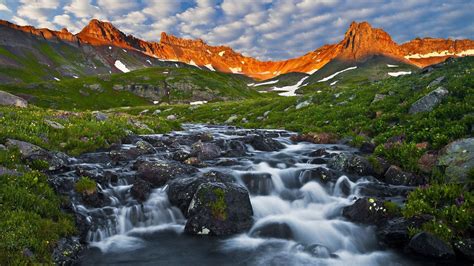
173,40
100,32
362,41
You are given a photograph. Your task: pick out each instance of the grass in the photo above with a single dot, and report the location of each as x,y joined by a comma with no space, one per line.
85,185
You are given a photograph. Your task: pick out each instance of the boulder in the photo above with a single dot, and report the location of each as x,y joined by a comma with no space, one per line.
205,150
231,119
235,148
159,172
258,183
219,209
316,138
53,124
378,97
319,174
171,117
8,99
457,159
262,143
427,162
140,190
366,211
180,155
380,167
67,251
99,116
144,147
428,245
367,147
465,249
181,190
352,164
273,230
395,232
428,102
396,176
31,152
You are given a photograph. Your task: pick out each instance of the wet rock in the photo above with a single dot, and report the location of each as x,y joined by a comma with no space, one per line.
171,117
319,174
273,230
465,249
205,151
319,153
31,152
180,155
379,166
67,251
95,199
430,101
367,147
428,245
258,183
8,99
181,190
53,124
352,164
262,143
140,190
319,251
395,232
318,161
158,173
345,187
457,159
235,148
219,209
194,161
396,176
366,211
144,147
382,190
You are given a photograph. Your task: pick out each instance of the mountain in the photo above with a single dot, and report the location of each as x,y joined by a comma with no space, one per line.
361,42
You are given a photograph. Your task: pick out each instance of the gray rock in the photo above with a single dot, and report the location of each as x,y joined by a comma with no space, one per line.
95,87
366,211
273,230
8,99
219,209
157,112
139,124
2,147
430,101
436,82
67,251
144,112
266,113
55,160
205,151
6,171
231,119
429,245
99,116
352,164
457,160
53,124
378,97
171,117
396,176
303,104
118,87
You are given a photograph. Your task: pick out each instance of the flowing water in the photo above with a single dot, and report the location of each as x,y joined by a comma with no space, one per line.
126,232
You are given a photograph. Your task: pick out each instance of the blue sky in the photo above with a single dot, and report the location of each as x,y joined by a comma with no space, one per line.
266,29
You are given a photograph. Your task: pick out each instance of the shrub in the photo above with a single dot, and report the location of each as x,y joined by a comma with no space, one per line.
85,185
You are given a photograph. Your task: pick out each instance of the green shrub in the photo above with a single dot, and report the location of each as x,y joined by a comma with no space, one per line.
85,185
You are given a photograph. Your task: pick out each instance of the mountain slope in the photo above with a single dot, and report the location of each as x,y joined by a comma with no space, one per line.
361,41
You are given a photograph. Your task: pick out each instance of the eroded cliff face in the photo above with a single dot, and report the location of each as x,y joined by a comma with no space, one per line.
361,42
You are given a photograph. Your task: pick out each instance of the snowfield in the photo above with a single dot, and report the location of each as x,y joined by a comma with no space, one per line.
263,83
290,90
210,67
400,73
120,66
337,73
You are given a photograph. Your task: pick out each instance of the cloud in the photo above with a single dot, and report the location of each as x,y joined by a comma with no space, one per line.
266,29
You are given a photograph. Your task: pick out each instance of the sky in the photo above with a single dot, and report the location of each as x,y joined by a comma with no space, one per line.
265,29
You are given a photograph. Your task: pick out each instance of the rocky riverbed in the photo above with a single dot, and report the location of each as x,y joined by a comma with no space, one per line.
211,195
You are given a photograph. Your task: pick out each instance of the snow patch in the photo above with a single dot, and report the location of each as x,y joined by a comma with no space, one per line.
333,83
439,54
110,47
209,52
120,66
198,102
388,65
55,78
124,50
149,62
400,73
221,53
337,73
156,102
235,70
76,77
210,67
263,83
290,90
192,63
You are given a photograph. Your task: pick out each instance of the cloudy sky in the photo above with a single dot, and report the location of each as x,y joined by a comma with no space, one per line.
266,29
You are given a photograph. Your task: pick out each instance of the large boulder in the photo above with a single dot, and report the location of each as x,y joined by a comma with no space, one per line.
219,209
430,101
395,232
457,159
140,190
263,143
205,150
157,173
396,176
465,249
351,163
319,174
181,190
12,100
366,211
428,245
31,152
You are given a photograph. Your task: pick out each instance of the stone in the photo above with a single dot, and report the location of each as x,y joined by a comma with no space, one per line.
430,101
266,113
428,245
319,174
53,124
258,183
380,167
378,97
427,162
366,211
171,117
303,104
367,147
396,176
140,190
99,116
457,159
31,152
273,230
219,209
395,232
205,150
261,143
180,155
352,164
465,249
159,172
6,171
67,251
316,138
8,99
157,112
436,82
231,119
